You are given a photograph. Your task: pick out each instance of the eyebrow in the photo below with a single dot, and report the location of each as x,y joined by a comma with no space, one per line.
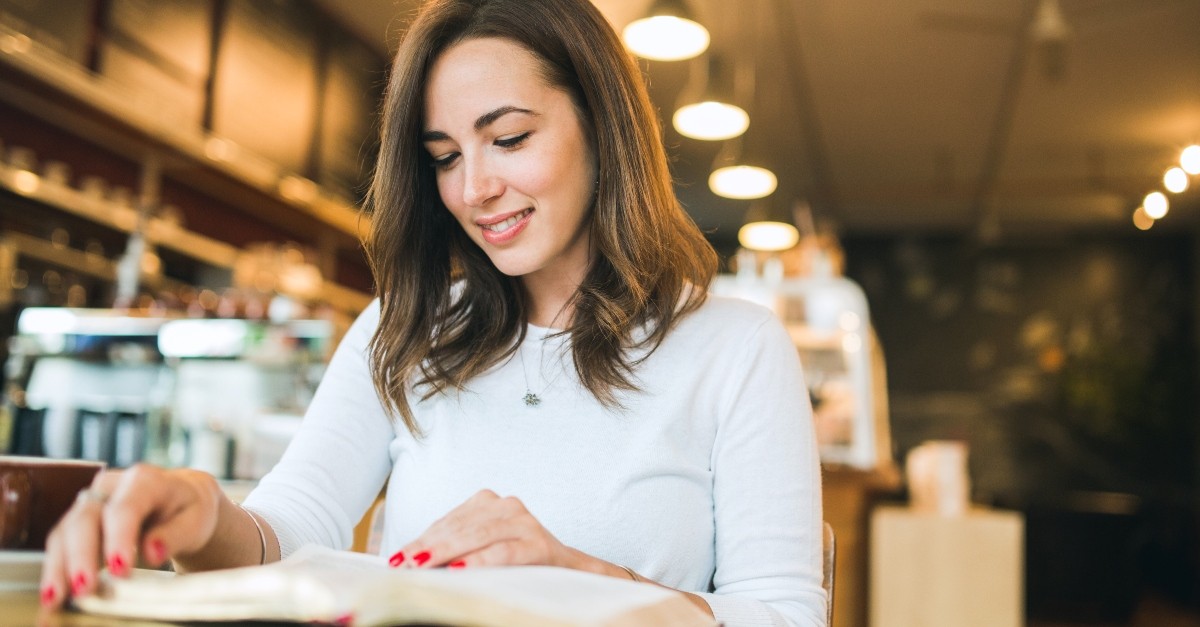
481,122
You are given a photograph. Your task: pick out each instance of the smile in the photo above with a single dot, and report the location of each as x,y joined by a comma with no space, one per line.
504,230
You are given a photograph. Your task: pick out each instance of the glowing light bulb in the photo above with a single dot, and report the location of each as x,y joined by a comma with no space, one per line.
711,120
1142,221
666,38
1156,205
742,182
1175,180
768,236
1190,159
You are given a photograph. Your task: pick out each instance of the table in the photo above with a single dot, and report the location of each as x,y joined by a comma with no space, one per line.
20,609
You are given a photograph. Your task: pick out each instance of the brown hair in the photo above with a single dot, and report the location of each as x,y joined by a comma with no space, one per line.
648,254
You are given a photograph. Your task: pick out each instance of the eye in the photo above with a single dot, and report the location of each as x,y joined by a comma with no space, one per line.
514,141
445,161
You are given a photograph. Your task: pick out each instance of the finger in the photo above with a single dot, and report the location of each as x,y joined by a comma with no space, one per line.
80,530
71,545
145,494
508,553
164,513
53,583
418,552
474,528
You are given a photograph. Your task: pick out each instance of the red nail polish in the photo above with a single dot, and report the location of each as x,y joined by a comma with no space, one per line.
421,558
397,559
344,620
158,551
48,595
79,583
458,564
116,565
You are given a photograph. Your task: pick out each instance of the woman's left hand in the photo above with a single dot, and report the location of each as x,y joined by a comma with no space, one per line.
489,530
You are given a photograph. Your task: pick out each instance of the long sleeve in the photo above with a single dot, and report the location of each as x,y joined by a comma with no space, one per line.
336,465
766,492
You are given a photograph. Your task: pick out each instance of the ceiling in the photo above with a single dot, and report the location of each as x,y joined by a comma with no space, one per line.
934,115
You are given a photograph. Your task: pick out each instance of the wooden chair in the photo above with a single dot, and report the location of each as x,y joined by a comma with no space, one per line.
827,571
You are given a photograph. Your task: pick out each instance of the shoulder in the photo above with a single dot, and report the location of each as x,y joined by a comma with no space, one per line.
728,313
728,326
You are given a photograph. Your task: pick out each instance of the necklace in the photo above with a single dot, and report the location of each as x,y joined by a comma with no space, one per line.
531,398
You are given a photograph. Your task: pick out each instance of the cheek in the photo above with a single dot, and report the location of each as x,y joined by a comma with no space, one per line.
450,191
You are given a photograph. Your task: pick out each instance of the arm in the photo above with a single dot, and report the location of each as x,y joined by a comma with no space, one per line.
766,490
334,467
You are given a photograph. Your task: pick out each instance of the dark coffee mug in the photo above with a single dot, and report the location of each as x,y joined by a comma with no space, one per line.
34,493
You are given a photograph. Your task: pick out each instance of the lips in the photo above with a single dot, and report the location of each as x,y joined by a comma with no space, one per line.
507,223
503,228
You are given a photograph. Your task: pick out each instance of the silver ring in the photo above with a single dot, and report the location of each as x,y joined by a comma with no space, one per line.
92,495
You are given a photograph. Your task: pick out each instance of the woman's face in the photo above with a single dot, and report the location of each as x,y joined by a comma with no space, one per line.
512,161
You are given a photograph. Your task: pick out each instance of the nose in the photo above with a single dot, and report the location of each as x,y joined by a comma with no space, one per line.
481,185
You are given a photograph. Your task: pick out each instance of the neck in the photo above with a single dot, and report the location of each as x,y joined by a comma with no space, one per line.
549,297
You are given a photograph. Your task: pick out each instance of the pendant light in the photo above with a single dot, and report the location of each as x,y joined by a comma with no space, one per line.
769,227
667,33
740,173
710,114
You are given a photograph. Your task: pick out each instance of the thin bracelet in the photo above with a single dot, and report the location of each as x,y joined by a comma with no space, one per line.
632,575
262,537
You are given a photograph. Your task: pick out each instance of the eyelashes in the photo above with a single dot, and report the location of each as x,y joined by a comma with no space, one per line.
506,143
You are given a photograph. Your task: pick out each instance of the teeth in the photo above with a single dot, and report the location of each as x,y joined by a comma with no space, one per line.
507,224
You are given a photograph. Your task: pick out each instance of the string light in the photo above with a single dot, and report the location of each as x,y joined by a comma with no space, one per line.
1175,180
1190,159
1156,205
1142,221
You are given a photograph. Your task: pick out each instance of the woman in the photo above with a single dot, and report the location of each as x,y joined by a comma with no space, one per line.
541,333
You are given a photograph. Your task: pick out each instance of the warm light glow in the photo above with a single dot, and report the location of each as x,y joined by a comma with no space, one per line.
1156,205
666,38
1190,159
1142,221
298,189
1175,180
26,182
768,236
742,182
219,149
711,120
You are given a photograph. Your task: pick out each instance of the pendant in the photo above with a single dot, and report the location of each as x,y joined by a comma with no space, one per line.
532,399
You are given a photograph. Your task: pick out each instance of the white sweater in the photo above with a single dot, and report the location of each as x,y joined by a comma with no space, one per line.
708,481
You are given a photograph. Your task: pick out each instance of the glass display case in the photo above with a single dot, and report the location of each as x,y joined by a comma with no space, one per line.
829,323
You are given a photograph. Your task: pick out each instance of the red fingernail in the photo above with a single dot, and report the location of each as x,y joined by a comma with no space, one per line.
116,565
421,558
79,583
397,559
343,620
48,595
158,550
458,564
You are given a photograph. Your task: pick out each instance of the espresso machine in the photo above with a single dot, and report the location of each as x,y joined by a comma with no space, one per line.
239,389
84,384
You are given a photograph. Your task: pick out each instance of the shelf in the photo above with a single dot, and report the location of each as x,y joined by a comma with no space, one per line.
147,124
121,218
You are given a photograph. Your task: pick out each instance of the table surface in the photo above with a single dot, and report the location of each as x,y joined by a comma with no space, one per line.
20,609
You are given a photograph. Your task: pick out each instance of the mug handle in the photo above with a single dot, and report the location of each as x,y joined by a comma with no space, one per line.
16,490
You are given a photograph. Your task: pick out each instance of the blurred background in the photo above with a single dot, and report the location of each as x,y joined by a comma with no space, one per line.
999,190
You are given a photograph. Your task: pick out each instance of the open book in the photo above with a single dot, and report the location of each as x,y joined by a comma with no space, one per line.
317,584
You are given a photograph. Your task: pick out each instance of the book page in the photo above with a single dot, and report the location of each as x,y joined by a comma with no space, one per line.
320,584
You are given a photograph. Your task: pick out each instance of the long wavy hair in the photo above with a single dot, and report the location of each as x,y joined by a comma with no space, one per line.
651,264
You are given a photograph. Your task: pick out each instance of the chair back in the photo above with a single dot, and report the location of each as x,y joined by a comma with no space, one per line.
827,571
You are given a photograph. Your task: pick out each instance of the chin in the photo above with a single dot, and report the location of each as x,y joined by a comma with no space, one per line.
512,267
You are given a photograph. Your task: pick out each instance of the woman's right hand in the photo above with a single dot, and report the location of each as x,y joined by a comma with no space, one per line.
143,512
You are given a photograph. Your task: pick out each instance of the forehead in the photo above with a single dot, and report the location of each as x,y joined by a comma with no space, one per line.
474,76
